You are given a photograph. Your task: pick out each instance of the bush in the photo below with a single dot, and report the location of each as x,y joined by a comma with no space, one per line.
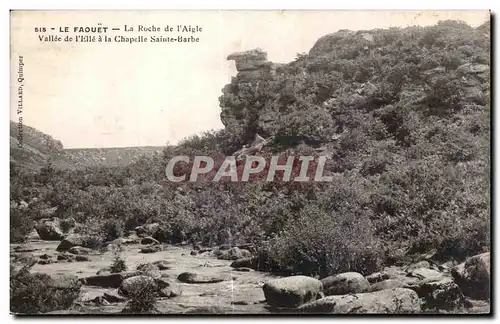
39,293
119,264
112,229
21,224
319,243
142,294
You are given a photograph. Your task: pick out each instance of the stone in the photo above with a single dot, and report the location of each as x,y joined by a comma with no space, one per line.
71,241
443,294
421,264
78,250
44,262
114,297
82,258
425,274
378,277
243,269
291,292
66,257
49,229
234,254
129,283
472,68
473,276
387,284
149,240
113,280
194,252
191,277
173,289
25,248
388,301
151,249
345,283
147,229
45,256
245,263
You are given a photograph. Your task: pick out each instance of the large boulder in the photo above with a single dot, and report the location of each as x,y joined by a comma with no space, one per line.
291,292
440,294
473,276
425,274
113,280
192,277
50,229
234,254
130,283
251,263
345,283
147,229
389,301
72,240
387,284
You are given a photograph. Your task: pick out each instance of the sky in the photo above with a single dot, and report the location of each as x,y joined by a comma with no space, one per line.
91,95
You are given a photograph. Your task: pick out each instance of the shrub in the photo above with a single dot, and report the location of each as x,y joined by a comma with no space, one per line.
39,293
119,264
142,294
21,225
112,229
319,243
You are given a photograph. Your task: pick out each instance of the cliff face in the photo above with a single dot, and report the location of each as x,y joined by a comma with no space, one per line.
437,70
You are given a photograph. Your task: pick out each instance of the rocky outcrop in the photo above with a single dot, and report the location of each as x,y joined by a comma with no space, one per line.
291,292
473,276
345,283
389,301
50,229
251,65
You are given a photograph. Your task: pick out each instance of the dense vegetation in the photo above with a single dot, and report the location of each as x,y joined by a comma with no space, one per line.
404,115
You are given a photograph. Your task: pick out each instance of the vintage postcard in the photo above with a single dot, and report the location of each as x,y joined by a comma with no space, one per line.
250,162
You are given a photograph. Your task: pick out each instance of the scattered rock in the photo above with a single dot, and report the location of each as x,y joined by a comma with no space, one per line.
71,241
292,291
473,276
44,262
151,249
78,250
45,257
245,263
149,240
147,230
157,265
387,284
172,290
421,264
113,280
389,301
425,274
442,294
191,277
125,240
25,248
378,277
114,297
345,283
49,229
82,258
66,257
233,254
194,252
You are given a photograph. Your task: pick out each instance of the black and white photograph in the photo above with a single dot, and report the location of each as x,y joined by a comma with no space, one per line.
250,162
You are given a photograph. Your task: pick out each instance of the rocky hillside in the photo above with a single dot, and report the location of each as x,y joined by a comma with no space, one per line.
39,149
